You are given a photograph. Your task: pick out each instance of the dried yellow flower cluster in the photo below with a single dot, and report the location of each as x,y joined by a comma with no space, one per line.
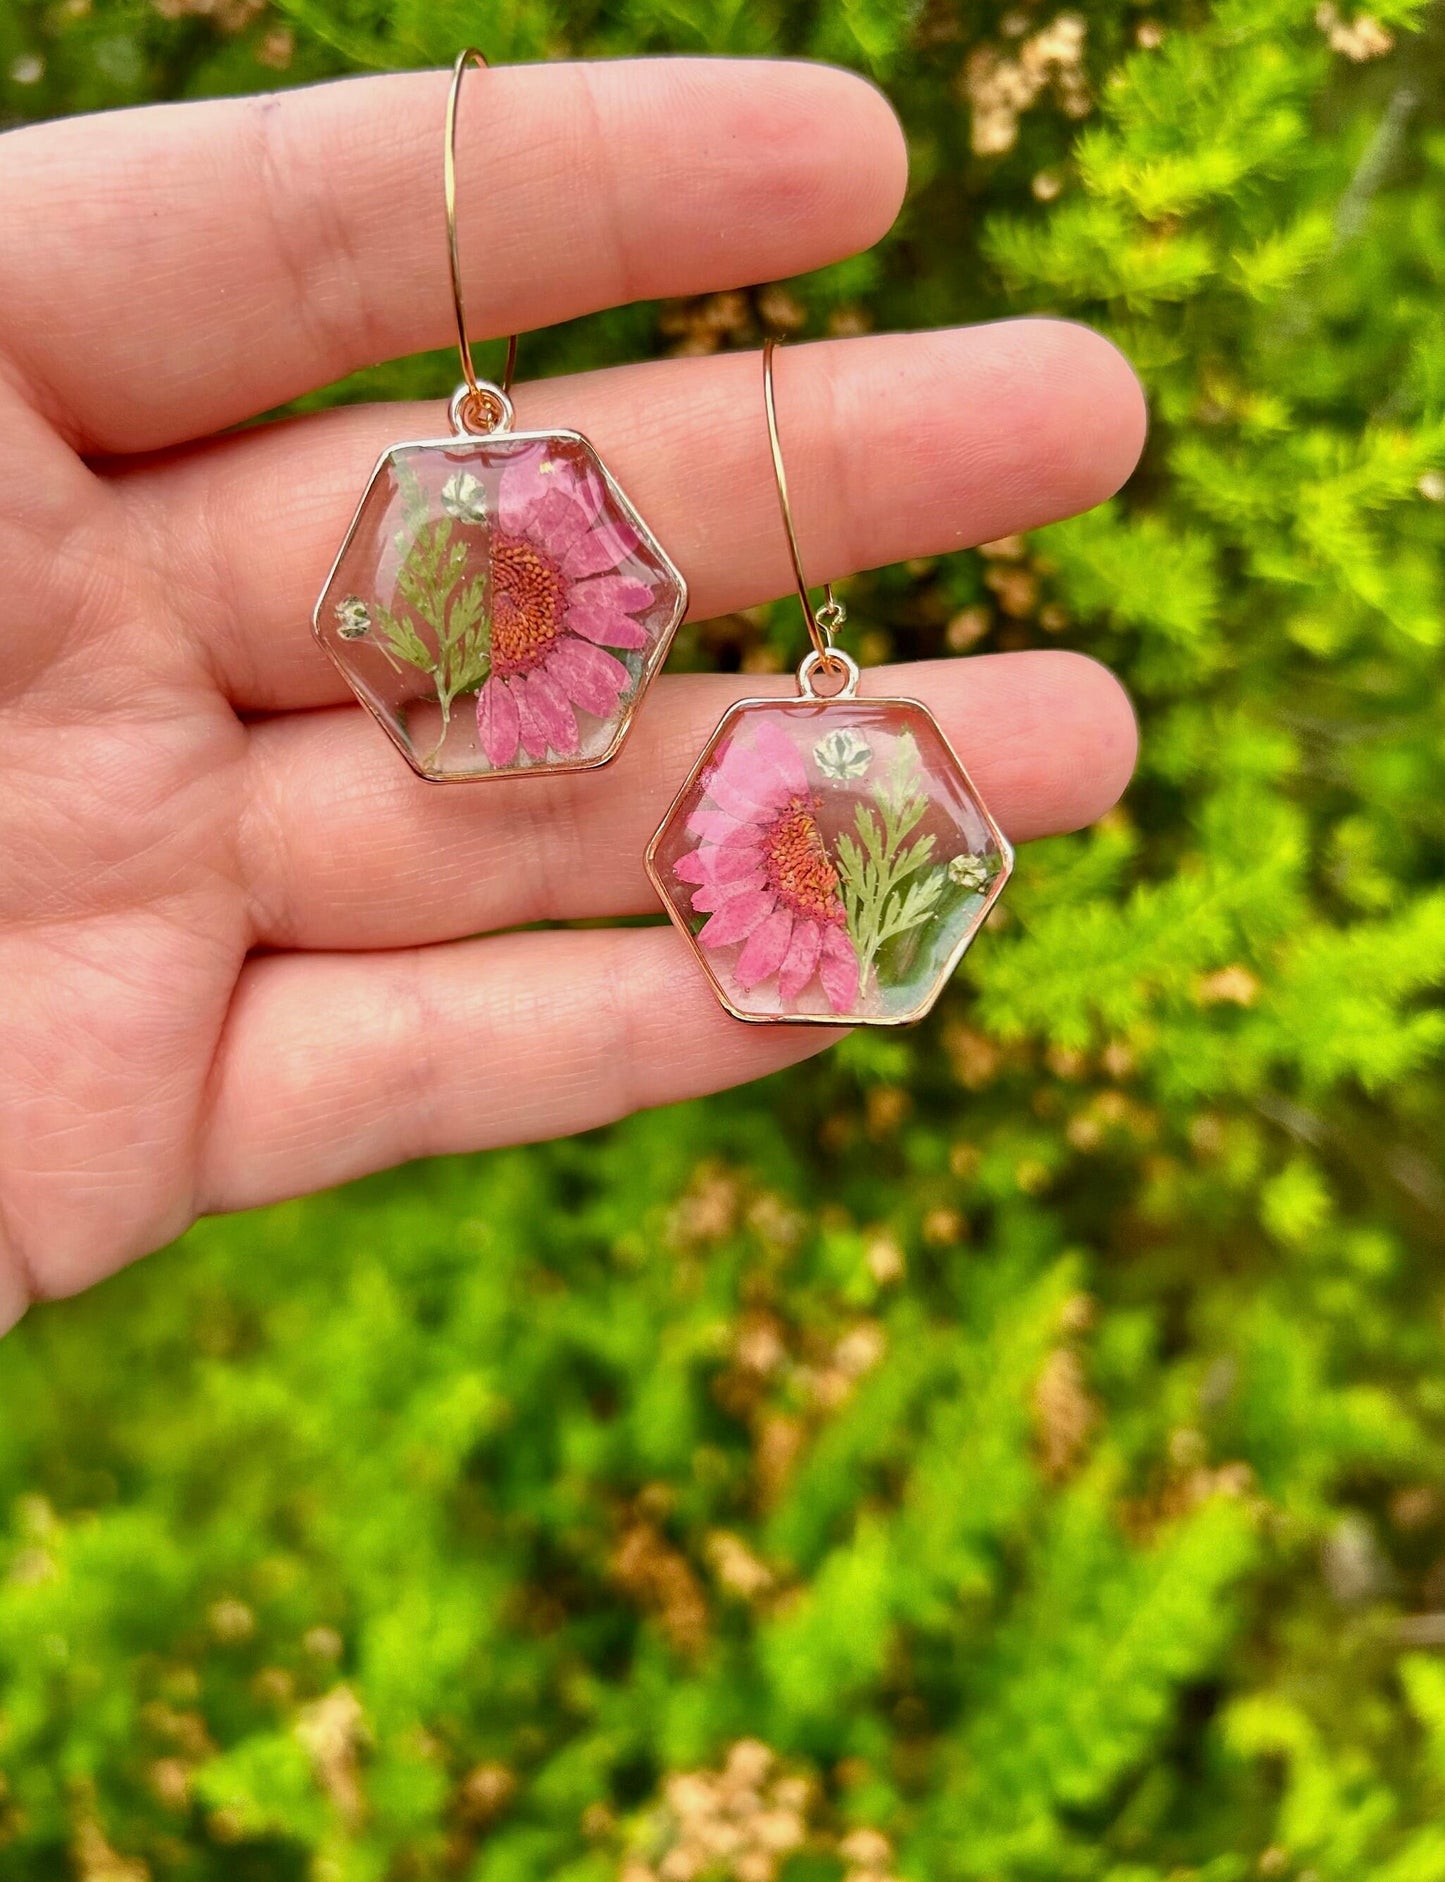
95,1861
1064,1414
1001,88
1359,39
227,16
738,1824
333,1729
647,1568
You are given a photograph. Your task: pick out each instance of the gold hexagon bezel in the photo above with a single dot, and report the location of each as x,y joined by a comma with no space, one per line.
949,966
630,513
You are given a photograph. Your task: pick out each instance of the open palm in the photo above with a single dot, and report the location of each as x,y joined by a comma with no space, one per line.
239,942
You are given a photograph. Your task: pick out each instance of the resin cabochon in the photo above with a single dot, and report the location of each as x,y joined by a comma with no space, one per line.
829,861
457,569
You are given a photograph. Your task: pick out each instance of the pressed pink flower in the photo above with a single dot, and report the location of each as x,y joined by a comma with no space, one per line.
763,873
558,605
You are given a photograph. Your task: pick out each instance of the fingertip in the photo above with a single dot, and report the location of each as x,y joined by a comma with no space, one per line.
1119,407
987,429
1098,421
872,146
1049,736
827,149
1099,717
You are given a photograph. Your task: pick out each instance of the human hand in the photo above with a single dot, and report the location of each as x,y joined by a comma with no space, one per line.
238,937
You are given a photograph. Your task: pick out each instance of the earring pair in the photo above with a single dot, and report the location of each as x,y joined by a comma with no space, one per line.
500,607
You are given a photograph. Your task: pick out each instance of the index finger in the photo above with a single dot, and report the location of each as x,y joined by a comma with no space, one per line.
170,271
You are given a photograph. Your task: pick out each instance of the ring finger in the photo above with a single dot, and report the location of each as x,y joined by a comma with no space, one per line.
345,848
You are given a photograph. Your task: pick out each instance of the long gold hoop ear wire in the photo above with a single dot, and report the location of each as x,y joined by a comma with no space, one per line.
822,623
479,393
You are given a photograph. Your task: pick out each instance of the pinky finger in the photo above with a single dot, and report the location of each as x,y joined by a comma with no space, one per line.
335,1065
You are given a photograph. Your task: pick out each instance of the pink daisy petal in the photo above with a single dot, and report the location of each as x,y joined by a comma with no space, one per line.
557,522
624,593
838,968
760,774
765,949
727,862
606,627
523,487
778,752
715,862
737,918
497,725
586,486
716,826
554,710
602,549
801,960
731,791
726,795
745,835
711,896
531,722
591,679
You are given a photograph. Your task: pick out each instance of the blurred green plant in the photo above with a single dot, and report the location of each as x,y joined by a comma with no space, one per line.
1009,1452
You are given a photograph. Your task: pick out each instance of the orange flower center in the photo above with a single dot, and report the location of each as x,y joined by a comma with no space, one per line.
799,868
528,601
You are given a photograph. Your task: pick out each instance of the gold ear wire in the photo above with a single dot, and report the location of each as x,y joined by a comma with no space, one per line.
823,623
479,395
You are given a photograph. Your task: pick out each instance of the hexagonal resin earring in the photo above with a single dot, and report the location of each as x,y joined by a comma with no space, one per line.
827,859
497,605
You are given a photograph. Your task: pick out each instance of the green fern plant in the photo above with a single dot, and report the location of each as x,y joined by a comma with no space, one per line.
884,895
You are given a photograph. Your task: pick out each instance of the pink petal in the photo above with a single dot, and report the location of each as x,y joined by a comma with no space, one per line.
602,549
737,918
780,755
711,896
801,960
533,727
838,968
690,868
718,862
624,593
497,725
557,521
732,791
585,485
606,626
554,711
715,826
760,771
726,794
590,678
765,949
523,487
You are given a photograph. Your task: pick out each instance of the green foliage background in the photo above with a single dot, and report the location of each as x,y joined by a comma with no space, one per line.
1031,1430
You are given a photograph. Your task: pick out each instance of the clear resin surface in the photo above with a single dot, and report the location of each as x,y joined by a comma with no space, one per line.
829,860
499,605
